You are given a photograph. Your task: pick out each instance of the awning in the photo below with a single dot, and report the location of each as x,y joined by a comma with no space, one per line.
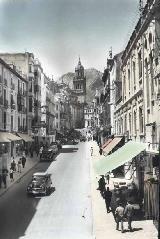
119,157
3,137
25,137
13,137
111,145
106,143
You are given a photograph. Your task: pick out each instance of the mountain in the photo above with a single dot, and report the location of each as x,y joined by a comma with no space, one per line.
93,82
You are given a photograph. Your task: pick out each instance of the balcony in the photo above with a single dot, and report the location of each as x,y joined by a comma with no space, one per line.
5,104
13,106
20,91
37,104
36,88
22,129
5,82
12,86
1,100
24,110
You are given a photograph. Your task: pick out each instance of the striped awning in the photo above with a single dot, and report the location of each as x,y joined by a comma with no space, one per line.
112,144
119,157
106,143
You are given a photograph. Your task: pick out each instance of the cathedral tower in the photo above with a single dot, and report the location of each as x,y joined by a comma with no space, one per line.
79,83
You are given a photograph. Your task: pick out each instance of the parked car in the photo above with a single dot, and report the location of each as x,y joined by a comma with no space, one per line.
47,154
40,184
54,147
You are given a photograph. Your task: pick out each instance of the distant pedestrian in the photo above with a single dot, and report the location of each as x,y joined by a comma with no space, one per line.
91,151
102,184
107,178
119,217
128,212
19,165
11,175
40,151
100,151
4,176
13,165
23,161
107,197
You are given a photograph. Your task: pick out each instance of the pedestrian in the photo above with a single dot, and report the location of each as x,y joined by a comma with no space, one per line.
11,175
4,176
19,165
23,161
107,197
13,165
102,184
128,212
100,151
40,151
91,151
107,178
119,216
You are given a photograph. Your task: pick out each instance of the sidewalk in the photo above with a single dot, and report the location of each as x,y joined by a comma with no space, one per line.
30,163
104,225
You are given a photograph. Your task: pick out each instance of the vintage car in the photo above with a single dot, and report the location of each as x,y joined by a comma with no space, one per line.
47,154
40,184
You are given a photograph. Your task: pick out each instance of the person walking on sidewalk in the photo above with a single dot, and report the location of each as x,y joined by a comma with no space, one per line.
4,177
91,151
107,197
107,178
19,165
128,212
11,175
119,216
102,184
23,161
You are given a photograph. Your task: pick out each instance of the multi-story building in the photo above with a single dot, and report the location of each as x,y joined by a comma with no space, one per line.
137,115
24,63
89,116
13,110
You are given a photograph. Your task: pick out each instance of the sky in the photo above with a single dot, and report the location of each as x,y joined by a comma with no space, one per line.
59,31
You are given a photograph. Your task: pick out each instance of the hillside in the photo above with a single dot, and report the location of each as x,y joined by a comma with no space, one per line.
93,82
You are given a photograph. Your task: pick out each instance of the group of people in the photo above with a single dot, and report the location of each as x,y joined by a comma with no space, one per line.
17,167
122,212
14,167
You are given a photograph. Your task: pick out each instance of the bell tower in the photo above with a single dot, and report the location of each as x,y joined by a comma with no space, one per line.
79,82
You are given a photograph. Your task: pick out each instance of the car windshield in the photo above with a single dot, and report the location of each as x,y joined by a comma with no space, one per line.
40,179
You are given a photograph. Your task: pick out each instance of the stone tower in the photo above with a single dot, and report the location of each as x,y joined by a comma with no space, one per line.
79,83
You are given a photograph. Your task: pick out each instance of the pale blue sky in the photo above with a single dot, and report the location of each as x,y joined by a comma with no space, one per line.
58,31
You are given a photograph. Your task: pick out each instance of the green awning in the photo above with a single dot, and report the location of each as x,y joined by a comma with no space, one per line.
119,157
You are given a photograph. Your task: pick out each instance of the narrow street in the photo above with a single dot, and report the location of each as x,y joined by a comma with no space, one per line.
65,213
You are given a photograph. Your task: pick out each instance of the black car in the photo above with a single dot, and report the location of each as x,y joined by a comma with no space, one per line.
40,184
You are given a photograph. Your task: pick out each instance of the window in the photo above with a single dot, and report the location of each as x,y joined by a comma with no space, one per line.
30,104
140,64
5,119
134,73
18,122
129,79
147,83
11,122
135,122
140,120
30,68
